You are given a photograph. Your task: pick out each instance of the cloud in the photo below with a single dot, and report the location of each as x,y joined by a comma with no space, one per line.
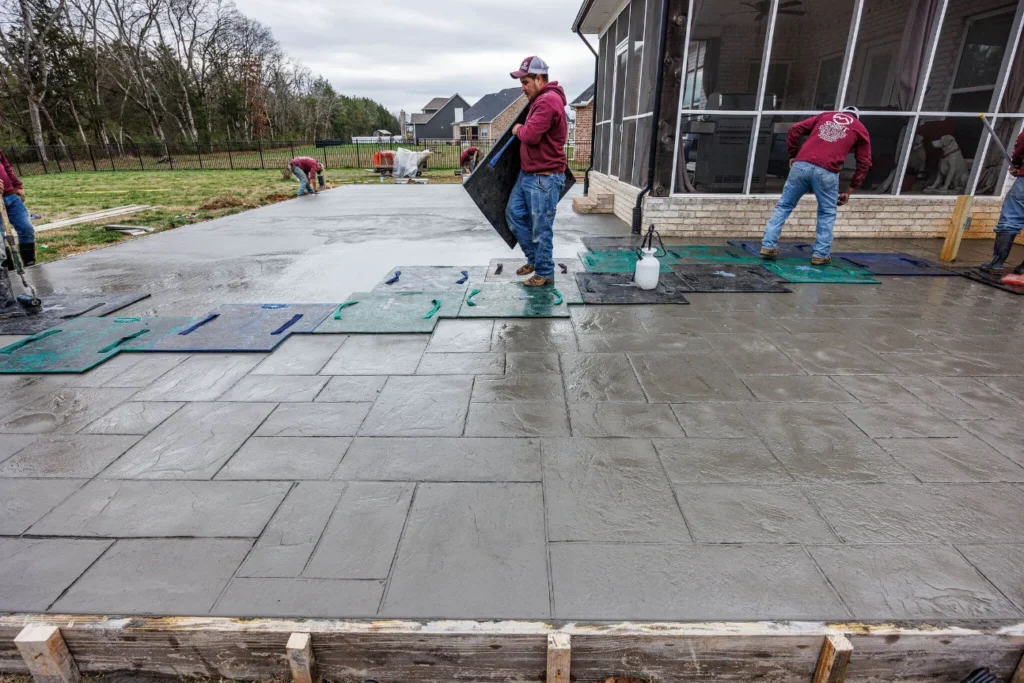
403,53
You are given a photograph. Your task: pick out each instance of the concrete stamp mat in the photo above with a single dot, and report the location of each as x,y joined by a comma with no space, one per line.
504,269
391,312
64,306
82,343
513,300
895,264
721,278
243,327
430,278
619,288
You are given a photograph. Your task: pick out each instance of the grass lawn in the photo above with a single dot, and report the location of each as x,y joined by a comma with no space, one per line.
177,198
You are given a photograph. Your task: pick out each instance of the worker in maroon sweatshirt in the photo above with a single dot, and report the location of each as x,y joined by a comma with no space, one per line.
17,214
308,171
531,207
814,167
1011,219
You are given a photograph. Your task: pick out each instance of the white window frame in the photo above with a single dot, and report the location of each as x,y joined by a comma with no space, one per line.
971,20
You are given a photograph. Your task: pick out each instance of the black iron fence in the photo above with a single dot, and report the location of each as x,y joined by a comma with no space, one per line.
255,155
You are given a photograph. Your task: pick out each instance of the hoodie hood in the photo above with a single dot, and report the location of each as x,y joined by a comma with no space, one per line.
555,88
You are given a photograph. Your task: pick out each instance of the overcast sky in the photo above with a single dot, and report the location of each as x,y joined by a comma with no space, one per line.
402,53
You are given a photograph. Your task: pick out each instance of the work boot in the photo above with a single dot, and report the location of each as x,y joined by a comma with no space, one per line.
1019,270
525,270
28,254
1000,252
769,254
538,281
821,260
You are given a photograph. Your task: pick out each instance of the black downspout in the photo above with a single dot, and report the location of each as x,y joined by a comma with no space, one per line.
656,117
593,118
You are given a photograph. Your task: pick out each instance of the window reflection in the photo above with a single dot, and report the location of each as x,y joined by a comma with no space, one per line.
970,53
713,153
942,155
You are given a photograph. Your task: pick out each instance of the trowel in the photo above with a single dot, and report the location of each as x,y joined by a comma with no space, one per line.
29,301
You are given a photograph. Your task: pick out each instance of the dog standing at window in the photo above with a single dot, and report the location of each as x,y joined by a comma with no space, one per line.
953,168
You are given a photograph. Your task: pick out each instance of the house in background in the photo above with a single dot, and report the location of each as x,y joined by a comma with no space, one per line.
740,73
491,116
435,121
584,108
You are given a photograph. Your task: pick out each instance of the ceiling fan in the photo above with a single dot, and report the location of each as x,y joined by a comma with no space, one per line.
761,8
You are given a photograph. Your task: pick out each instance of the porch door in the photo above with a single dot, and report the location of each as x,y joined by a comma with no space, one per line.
618,96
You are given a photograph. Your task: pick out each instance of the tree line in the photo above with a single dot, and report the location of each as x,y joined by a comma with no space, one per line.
113,72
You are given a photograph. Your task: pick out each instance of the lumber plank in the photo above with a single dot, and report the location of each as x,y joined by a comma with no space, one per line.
559,654
46,655
833,660
300,657
955,231
730,652
1018,675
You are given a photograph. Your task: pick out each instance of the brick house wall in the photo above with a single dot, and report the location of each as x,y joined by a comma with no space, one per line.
864,216
584,129
506,118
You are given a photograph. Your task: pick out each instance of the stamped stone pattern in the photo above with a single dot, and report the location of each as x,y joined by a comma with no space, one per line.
839,453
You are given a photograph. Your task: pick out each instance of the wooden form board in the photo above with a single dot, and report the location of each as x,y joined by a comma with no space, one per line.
500,651
957,225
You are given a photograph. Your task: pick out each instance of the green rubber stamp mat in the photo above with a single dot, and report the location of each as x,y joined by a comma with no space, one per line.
618,262
78,345
800,271
699,253
513,300
431,278
504,269
391,313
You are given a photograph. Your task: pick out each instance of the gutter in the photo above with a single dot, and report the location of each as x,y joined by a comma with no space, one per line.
658,84
593,118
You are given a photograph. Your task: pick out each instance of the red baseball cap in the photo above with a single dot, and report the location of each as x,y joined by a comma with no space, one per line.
531,65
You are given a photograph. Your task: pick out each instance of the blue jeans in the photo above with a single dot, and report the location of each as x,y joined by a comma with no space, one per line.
304,186
1011,219
804,178
531,216
18,215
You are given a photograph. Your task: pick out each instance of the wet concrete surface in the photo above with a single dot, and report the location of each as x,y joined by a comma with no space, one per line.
310,250
841,452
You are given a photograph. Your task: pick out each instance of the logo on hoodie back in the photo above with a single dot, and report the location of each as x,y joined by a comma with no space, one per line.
836,129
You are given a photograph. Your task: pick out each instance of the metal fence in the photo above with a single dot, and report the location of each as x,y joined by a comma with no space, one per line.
255,155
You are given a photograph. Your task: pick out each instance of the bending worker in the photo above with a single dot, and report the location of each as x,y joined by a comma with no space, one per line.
1011,219
304,169
814,167
531,208
469,160
17,214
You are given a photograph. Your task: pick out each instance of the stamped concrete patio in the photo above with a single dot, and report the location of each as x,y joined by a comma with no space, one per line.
842,452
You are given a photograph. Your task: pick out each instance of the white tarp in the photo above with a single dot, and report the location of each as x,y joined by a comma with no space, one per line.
407,162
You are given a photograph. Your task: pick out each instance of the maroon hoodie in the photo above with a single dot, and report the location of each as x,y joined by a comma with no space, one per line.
544,133
830,138
10,181
1018,152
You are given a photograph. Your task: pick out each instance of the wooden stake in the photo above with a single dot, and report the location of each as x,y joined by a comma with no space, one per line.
300,656
955,232
559,654
46,655
835,656
1018,676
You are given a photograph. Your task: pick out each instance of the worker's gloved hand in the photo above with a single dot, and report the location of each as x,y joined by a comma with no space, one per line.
843,198
1014,171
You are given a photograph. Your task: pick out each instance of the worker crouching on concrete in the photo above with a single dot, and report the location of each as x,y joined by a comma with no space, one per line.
17,214
469,160
531,207
304,169
814,167
1011,219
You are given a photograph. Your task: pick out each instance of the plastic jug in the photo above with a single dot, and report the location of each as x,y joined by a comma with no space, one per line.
648,268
